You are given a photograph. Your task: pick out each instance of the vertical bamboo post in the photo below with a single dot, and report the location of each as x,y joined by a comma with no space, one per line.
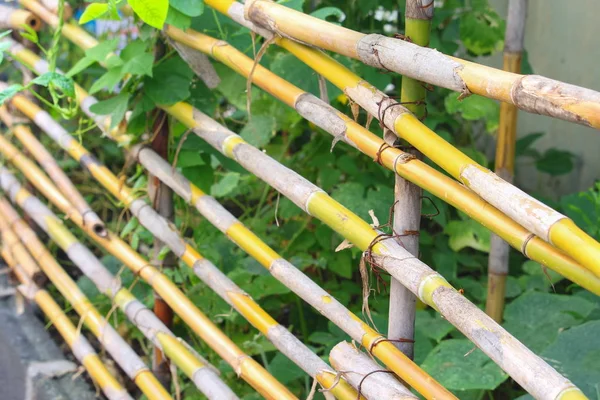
162,201
505,156
407,195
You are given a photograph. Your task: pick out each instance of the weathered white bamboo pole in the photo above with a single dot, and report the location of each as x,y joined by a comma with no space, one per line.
530,371
407,195
362,372
193,365
49,164
532,214
532,93
80,347
114,344
505,156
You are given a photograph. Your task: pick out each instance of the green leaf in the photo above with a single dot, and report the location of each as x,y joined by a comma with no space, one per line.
140,64
537,318
178,19
170,82
293,70
555,162
467,233
326,12
129,227
226,185
458,365
293,4
523,145
30,34
152,12
116,107
9,92
189,159
284,370
482,32
102,50
432,326
192,8
575,355
108,80
92,12
341,263
54,80
533,268
233,86
259,131
80,66
475,108
446,264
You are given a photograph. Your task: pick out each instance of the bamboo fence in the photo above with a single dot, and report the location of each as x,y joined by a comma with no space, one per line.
281,269
81,348
204,269
505,155
532,214
343,128
114,344
245,367
227,223
532,373
195,367
532,93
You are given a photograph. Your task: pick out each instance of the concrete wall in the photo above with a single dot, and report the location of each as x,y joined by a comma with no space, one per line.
563,41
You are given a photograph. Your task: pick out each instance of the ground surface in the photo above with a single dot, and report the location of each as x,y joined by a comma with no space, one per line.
25,347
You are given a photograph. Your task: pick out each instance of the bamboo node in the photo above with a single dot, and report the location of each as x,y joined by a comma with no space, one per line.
525,243
403,158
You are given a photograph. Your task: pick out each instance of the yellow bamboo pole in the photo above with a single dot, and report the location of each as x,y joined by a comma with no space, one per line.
535,216
78,344
127,359
246,367
505,156
394,159
14,18
531,93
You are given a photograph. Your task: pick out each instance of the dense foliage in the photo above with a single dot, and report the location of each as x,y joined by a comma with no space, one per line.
553,317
